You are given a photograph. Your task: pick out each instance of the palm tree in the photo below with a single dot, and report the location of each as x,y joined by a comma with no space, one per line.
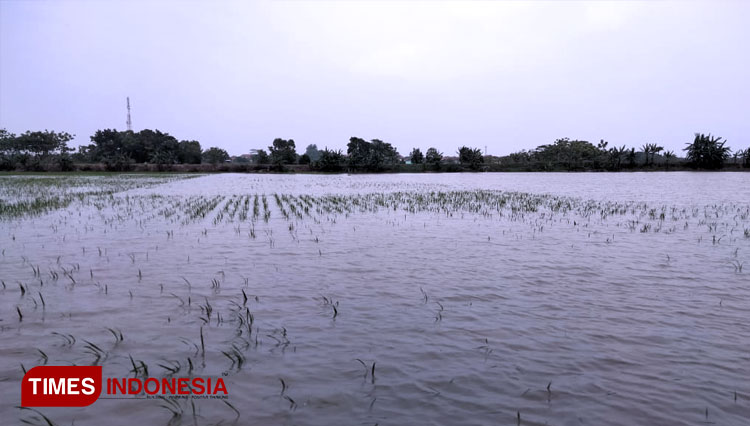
744,154
646,148
737,156
655,149
707,152
470,156
631,157
615,155
668,155
650,150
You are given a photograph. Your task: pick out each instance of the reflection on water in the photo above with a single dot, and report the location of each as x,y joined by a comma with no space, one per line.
560,298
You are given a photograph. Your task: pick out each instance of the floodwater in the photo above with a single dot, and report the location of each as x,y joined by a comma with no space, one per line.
560,299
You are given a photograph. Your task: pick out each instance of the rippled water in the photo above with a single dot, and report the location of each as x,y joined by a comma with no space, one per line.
471,293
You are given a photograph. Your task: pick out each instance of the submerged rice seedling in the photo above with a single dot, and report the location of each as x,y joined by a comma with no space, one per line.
519,259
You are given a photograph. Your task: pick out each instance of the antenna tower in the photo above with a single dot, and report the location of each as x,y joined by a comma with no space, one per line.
129,123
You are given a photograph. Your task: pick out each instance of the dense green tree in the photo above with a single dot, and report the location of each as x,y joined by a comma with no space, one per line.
108,148
159,147
166,153
283,151
163,156
8,161
189,152
522,157
471,157
260,157
48,150
42,144
215,155
134,147
371,156
707,152
35,150
5,136
304,159
313,152
358,152
416,156
108,144
153,146
330,161
568,154
86,154
434,158
383,154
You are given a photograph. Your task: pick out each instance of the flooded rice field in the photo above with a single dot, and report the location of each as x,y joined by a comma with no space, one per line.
471,299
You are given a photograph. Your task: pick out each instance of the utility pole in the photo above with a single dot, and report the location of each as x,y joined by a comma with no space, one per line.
129,123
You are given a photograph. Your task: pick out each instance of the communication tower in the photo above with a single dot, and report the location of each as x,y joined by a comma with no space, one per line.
129,123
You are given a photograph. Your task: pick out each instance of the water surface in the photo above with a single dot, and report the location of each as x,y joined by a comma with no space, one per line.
567,299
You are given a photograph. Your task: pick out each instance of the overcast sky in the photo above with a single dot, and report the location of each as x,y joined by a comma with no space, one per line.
508,75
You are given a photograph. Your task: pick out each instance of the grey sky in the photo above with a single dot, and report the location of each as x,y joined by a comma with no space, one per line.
506,74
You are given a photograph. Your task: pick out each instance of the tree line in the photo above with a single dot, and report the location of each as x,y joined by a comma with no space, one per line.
704,152
121,150
116,150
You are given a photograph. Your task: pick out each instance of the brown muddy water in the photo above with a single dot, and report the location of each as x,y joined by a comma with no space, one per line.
560,299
